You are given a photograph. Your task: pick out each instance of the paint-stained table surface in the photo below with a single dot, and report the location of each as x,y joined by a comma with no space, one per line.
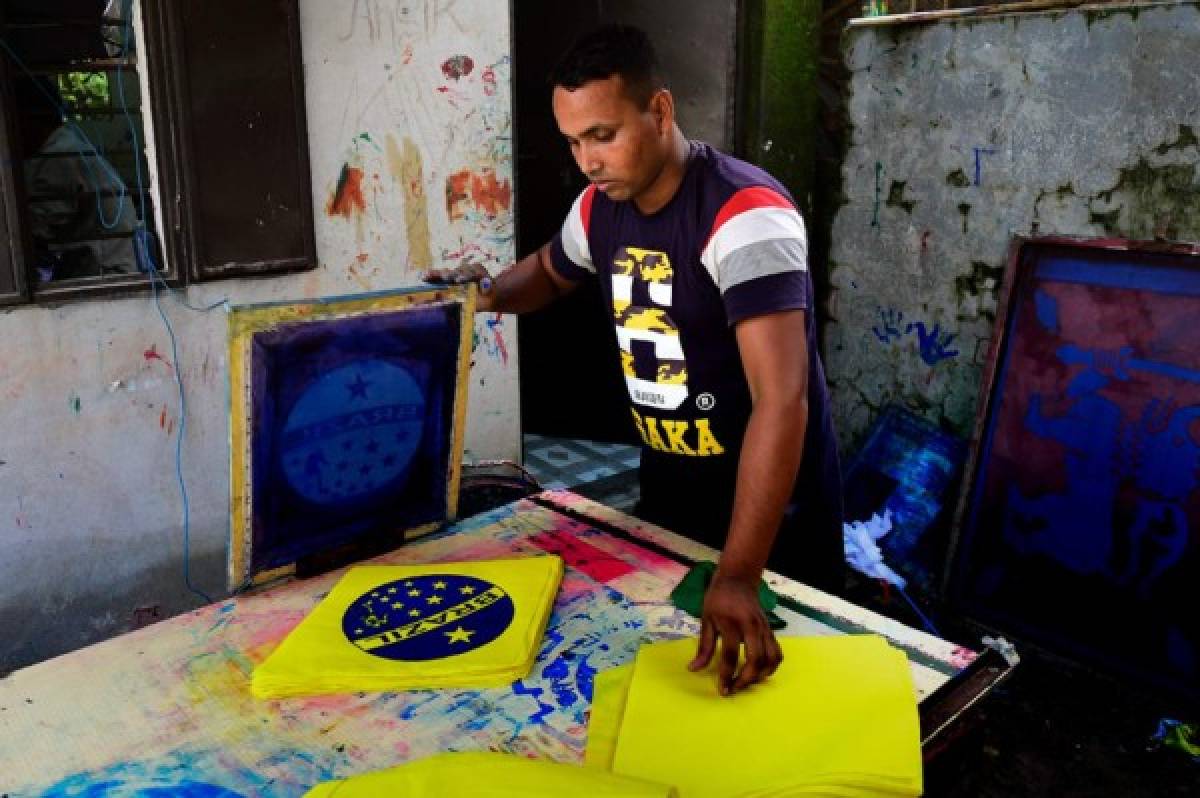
169,706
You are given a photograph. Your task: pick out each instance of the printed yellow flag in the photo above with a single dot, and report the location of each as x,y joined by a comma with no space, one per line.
838,718
405,627
489,775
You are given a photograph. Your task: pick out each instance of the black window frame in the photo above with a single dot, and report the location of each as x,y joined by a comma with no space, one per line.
172,66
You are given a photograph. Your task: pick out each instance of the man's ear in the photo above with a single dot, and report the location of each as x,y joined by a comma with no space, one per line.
662,107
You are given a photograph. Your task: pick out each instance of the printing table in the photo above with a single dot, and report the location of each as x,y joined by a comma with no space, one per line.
169,706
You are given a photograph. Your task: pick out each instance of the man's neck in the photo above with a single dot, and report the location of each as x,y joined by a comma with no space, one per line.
666,183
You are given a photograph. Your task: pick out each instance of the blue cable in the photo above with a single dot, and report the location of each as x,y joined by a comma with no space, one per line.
141,238
928,624
187,576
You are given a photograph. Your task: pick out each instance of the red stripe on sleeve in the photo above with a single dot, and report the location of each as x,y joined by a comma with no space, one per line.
585,208
747,199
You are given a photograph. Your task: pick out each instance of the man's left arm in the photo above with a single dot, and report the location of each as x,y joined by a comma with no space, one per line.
774,353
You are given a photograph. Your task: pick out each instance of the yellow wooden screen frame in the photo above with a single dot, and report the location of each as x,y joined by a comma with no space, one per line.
246,321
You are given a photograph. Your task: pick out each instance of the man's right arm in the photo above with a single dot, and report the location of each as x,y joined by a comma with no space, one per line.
529,284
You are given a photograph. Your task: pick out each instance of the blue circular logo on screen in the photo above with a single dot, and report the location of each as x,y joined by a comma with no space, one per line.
428,617
353,432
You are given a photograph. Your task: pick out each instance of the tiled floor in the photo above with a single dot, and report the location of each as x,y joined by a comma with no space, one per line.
606,472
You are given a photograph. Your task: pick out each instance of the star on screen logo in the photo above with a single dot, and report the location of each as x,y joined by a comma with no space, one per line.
428,617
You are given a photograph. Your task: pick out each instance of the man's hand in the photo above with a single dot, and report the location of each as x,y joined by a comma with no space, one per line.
732,615
465,273
529,284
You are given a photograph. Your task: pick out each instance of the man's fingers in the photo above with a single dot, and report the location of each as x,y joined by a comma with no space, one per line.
466,273
730,648
752,668
774,654
704,651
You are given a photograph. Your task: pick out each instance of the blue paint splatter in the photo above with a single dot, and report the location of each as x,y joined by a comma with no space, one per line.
978,152
1151,464
559,674
1047,310
82,787
535,693
185,773
585,676
889,326
933,345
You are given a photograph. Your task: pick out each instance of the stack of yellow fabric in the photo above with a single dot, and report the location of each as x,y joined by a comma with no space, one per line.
489,775
464,624
838,718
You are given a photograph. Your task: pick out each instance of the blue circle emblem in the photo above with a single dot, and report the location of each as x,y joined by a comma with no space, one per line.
428,617
353,432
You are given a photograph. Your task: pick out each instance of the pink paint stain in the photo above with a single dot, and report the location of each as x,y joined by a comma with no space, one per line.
489,81
649,559
583,557
152,354
962,657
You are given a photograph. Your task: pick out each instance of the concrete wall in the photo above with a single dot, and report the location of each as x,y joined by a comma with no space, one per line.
90,512
967,132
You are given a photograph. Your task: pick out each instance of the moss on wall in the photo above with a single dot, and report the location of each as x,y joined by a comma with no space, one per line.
777,108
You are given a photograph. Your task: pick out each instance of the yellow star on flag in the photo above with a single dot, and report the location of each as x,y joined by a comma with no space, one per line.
414,613
467,591
414,592
459,635
439,585
434,599
397,606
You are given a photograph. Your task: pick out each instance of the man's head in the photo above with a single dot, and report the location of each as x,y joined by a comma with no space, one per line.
618,117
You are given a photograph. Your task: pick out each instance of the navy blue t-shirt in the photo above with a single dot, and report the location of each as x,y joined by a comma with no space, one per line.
730,245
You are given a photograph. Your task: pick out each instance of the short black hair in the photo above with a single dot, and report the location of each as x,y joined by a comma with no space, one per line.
611,50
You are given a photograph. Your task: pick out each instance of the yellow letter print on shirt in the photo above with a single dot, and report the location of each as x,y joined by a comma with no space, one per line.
668,389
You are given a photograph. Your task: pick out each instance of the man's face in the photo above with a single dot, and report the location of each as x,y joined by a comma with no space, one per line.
618,145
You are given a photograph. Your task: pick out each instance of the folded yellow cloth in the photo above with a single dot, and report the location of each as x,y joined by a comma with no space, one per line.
610,690
489,775
837,719
403,627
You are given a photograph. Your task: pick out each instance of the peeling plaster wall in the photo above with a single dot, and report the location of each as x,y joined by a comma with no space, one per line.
409,100
965,133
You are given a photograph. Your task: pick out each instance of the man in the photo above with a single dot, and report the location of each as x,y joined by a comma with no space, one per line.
703,258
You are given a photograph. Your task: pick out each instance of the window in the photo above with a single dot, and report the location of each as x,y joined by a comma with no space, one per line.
220,139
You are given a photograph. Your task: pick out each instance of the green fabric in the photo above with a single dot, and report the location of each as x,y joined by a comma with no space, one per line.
1183,736
688,595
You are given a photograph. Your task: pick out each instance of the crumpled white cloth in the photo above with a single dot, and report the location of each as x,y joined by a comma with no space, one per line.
862,550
